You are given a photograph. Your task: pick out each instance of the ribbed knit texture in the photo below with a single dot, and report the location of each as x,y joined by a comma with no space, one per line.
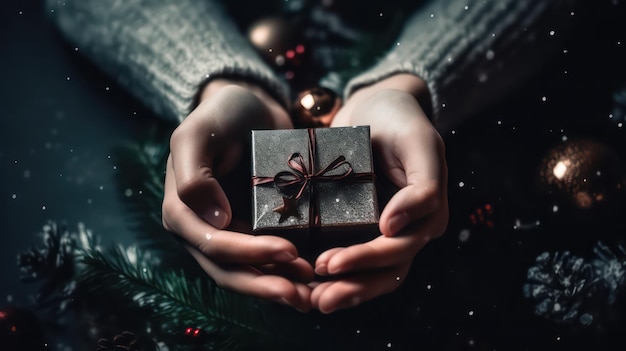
471,53
162,51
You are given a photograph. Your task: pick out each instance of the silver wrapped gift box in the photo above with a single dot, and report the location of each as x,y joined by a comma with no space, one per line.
315,187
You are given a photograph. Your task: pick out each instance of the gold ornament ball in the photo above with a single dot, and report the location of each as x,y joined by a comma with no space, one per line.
585,171
273,38
315,108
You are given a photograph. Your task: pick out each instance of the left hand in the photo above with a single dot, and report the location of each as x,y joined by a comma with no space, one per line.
411,153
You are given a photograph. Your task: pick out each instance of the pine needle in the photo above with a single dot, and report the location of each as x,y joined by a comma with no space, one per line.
231,321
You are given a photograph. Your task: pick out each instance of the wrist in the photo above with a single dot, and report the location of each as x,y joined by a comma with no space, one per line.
214,85
277,110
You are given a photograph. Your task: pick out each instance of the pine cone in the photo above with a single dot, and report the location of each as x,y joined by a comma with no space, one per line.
56,254
610,267
52,264
561,284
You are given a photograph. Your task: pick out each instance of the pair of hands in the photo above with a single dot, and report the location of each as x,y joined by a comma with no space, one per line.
210,142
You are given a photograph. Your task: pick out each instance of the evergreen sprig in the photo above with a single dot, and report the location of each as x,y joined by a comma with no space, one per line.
140,179
231,321
51,264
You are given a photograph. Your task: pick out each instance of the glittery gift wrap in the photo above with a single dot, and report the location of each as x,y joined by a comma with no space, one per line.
343,199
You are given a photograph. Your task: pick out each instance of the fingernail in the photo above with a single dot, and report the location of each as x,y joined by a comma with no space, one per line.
321,269
398,222
284,256
340,268
216,217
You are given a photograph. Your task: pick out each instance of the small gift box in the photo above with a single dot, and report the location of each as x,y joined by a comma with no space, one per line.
315,187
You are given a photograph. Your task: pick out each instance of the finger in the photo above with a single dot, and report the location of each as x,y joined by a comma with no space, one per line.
207,190
210,134
378,253
218,244
296,270
249,281
412,203
321,263
421,173
354,290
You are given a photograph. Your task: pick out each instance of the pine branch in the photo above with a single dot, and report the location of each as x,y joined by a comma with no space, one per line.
230,320
140,179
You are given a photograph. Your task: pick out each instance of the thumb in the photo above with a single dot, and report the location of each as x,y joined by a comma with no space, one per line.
206,197
409,205
202,193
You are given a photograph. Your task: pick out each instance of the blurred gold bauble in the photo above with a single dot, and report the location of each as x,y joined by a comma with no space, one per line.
277,41
315,108
586,172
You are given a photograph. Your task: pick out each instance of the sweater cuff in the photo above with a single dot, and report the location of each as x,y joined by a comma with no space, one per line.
471,53
163,52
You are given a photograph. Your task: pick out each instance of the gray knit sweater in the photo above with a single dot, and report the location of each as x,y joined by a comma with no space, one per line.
470,53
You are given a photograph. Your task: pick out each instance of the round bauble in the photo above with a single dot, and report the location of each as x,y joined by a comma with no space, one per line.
278,42
585,172
315,107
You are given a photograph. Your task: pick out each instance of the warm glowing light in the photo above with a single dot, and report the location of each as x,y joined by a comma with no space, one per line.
560,169
307,101
261,34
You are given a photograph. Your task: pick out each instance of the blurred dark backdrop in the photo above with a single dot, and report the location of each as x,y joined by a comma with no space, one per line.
61,118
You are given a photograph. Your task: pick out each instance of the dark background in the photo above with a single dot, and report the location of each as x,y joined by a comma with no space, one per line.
60,121
61,118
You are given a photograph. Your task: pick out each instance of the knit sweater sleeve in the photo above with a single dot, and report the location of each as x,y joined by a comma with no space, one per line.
471,53
162,51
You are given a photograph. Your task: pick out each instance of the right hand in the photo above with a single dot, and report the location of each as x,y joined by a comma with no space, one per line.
210,142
